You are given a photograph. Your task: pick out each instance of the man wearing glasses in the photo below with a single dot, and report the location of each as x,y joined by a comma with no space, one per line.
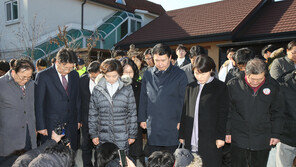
57,99
17,119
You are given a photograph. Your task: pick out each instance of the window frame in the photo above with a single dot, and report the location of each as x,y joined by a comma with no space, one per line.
11,21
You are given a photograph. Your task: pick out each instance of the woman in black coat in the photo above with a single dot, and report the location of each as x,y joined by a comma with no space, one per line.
131,71
204,115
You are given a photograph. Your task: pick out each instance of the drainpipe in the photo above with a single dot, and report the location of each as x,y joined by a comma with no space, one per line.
82,11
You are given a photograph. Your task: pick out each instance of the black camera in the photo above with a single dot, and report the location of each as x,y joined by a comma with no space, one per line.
60,129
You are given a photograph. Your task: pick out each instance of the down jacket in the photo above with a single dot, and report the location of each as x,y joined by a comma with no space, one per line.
113,119
288,85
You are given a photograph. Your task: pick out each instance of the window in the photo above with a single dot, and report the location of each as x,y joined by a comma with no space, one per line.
121,2
11,10
123,29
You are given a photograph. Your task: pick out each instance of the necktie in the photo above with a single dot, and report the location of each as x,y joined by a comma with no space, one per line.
24,90
65,83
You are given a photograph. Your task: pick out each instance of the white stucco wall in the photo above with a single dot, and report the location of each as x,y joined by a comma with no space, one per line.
48,15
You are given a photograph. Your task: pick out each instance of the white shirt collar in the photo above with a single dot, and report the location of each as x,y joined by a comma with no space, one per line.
60,75
112,88
180,61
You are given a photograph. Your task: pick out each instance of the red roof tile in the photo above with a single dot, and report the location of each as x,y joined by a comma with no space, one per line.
276,17
131,5
213,18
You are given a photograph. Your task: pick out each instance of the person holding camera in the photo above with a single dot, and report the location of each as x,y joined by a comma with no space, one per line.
25,159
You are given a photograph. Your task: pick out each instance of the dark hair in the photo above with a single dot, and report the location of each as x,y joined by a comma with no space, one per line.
66,55
204,64
174,55
116,53
180,46
148,51
23,64
243,55
161,49
268,48
291,45
93,67
161,159
196,51
230,50
106,153
110,65
62,153
41,62
127,61
11,63
53,60
256,66
4,66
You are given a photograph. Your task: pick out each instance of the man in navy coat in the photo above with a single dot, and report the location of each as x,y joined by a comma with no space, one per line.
57,99
161,101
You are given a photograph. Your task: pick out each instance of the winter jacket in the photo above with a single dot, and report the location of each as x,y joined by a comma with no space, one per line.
56,155
25,159
280,66
288,86
113,119
254,118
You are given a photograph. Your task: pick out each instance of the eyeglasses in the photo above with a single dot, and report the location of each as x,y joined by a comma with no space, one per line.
23,78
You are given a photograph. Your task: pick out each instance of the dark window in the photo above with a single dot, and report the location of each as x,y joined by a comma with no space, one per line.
124,29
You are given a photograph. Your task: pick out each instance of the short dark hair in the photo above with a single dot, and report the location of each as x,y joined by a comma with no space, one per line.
66,55
204,64
94,67
41,62
230,50
174,55
196,51
269,48
256,66
11,63
106,153
110,65
127,61
243,55
180,46
162,49
4,66
23,64
148,51
161,159
291,45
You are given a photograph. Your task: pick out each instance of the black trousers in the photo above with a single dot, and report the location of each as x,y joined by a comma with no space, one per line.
226,155
86,147
248,158
149,149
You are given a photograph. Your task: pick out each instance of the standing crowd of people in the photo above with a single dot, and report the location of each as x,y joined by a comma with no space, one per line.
191,114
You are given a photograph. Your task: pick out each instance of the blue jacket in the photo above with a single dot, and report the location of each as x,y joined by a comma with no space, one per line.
161,102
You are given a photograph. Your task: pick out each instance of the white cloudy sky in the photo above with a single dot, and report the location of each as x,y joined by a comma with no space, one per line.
177,4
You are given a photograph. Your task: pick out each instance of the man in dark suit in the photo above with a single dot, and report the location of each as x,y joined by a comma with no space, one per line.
87,84
57,99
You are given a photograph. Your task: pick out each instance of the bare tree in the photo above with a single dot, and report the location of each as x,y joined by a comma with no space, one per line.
28,35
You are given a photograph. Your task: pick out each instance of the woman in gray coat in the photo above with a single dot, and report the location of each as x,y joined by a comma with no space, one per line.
112,110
